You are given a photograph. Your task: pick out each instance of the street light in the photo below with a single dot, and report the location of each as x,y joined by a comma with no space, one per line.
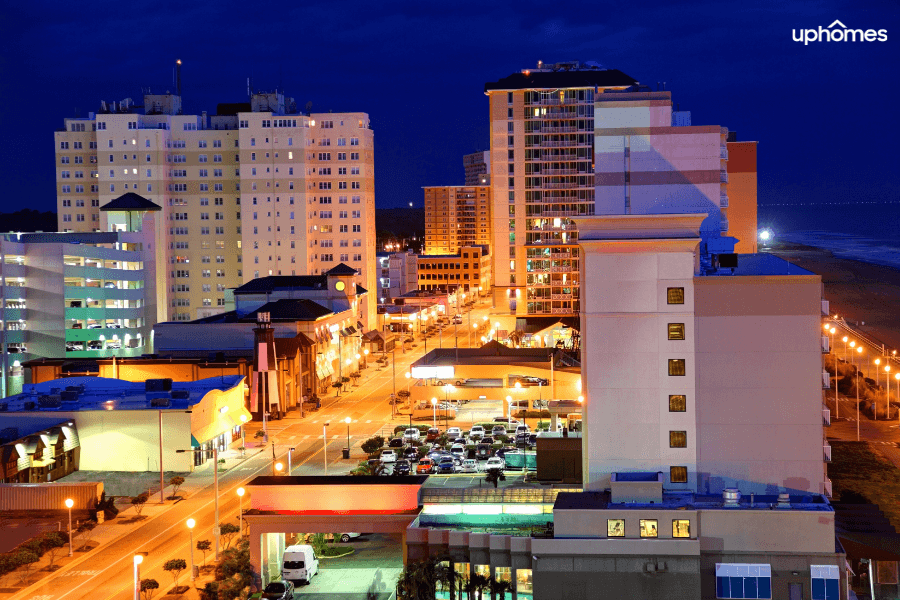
887,386
434,412
240,493
69,504
366,359
859,352
509,410
325,446
216,479
278,468
190,526
138,559
290,456
347,421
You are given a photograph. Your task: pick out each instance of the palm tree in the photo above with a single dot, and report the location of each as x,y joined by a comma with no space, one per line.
417,581
499,588
477,583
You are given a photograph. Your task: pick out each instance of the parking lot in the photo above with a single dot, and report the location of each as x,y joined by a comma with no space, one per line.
370,572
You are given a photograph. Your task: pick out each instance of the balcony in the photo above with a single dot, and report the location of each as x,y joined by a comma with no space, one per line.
557,101
723,176
723,152
723,201
558,129
562,269
560,296
827,449
826,487
826,380
561,172
826,417
566,213
724,225
562,311
558,255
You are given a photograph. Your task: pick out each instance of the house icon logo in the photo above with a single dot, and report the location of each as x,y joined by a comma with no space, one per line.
838,32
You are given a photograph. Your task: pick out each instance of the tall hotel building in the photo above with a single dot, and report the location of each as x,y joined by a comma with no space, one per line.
575,139
457,216
254,190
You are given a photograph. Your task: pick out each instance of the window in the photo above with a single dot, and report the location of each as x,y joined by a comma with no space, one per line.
675,295
678,474
648,528
678,439
681,528
676,367
615,527
677,403
826,580
676,331
734,580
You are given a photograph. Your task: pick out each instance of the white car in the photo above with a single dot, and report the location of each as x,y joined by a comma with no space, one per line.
388,456
469,465
343,537
457,320
453,433
476,431
458,450
411,435
495,463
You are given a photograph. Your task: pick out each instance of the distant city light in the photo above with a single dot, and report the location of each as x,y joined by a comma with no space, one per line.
765,235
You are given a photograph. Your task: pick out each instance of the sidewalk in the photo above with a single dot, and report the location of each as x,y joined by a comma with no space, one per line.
124,524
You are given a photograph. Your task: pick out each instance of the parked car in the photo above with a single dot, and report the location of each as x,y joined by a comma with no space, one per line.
425,466
446,467
396,442
388,456
95,326
487,440
522,429
411,453
459,440
299,563
469,465
503,451
482,451
343,537
476,431
279,590
401,467
505,420
433,434
495,463
458,450
498,430
412,434
454,432
457,320
532,439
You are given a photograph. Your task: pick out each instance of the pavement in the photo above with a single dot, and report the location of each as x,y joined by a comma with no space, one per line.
883,436
105,573
373,568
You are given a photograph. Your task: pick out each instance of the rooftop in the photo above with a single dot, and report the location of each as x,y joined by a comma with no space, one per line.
493,352
759,265
290,309
553,80
129,202
689,501
103,393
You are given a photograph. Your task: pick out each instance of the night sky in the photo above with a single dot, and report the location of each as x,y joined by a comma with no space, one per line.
824,113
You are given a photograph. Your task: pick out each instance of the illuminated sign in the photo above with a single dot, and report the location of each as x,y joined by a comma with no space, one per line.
434,372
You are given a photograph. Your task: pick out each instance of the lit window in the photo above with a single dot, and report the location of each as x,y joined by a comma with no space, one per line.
826,579
677,403
677,367
678,474
681,528
615,527
648,528
675,295
676,331
678,439
735,580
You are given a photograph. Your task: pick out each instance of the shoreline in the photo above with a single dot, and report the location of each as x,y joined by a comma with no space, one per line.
866,294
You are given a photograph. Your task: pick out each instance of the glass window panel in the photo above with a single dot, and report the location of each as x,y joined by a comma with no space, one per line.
681,528
818,589
676,331
483,570
677,403
649,528
524,584
765,587
675,295
723,589
678,474
676,367
503,573
737,587
832,589
750,587
615,527
678,439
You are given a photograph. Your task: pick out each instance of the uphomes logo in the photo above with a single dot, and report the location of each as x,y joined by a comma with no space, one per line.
838,32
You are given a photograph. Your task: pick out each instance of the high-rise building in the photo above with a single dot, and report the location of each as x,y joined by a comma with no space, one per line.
742,193
457,216
301,203
477,167
571,140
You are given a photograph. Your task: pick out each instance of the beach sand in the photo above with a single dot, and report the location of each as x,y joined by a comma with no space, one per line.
857,291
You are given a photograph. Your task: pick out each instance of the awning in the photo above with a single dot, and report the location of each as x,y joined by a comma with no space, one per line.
44,462
359,326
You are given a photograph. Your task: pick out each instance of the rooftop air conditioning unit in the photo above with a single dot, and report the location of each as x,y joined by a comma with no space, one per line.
784,500
160,402
731,497
181,394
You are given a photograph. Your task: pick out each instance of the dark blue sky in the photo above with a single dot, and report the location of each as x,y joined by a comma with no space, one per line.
824,113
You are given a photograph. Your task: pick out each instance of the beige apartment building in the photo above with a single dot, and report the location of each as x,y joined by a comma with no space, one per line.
457,216
226,223
467,270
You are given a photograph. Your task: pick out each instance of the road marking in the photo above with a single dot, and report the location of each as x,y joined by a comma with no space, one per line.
369,421
292,437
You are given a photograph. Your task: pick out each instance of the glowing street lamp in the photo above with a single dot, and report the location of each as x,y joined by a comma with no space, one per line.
434,412
859,352
138,559
887,386
190,526
69,504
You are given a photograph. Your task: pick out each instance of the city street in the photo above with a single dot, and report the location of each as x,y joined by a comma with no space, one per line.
107,572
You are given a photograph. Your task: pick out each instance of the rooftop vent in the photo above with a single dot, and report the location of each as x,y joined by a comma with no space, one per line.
731,497
49,401
784,500
68,395
160,402
181,394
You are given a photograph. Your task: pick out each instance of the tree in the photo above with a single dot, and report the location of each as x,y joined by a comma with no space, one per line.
175,566
148,588
345,380
337,385
25,559
365,468
234,571
418,581
84,528
138,502
204,546
228,531
318,541
499,588
176,482
210,591
477,584
51,542
492,476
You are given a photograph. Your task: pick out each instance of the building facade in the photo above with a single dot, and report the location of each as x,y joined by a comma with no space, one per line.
477,167
742,194
457,216
469,270
227,222
403,273
78,295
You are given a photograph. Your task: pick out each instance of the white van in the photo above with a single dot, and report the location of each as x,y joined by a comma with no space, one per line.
299,564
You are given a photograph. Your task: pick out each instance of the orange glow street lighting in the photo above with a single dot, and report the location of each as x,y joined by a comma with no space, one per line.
859,352
69,504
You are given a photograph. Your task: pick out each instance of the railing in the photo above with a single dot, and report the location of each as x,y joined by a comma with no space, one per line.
557,101
723,201
561,172
826,487
723,176
723,152
562,311
827,449
561,269
566,213
560,296
826,417
559,129
559,186
560,255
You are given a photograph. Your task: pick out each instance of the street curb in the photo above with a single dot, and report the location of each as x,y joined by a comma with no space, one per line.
87,555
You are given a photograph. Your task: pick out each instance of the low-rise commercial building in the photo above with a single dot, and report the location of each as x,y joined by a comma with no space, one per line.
469,271
39,456
124,426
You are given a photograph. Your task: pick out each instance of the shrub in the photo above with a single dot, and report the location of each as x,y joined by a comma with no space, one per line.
228,531
204,546
51,543
176,482
25,560
372,444
210,591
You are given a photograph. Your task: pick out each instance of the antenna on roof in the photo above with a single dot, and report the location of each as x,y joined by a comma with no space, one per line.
178,77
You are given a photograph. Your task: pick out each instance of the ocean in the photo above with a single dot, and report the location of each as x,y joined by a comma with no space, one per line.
868,232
